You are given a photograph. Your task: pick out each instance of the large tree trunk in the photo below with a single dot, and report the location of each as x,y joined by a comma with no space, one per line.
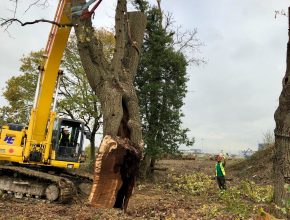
120,152
281,162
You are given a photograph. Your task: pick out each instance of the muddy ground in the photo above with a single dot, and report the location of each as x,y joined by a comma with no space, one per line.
164,197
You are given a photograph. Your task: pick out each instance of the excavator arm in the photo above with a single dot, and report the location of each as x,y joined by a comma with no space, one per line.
43,113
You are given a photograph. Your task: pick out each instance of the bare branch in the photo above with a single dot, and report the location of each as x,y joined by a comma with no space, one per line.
168,20
8,22
14,15
188,40
15,8
65,92
187,43
68,113
36,3
282,12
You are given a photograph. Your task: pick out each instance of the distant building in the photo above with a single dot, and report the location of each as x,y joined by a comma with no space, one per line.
193,151
197,151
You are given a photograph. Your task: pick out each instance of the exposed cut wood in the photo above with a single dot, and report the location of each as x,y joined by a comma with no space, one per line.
115,170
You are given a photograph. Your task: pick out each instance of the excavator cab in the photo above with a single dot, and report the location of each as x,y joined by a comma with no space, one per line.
67,139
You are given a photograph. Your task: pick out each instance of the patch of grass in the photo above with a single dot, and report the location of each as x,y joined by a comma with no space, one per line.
193,184
233,203
210,211
255,192
238,201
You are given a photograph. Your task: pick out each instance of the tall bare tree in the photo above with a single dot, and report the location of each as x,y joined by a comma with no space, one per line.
281,160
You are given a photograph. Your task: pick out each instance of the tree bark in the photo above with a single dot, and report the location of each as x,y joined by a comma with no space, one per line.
281,160
145,167
120,152
96,126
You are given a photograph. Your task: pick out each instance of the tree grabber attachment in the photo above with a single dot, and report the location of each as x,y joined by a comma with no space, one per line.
83,10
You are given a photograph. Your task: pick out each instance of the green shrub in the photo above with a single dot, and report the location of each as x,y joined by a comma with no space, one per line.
240,202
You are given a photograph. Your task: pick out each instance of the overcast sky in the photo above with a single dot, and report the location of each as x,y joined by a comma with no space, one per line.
232,98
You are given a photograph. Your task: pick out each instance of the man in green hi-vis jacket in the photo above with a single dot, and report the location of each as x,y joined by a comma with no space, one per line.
220,172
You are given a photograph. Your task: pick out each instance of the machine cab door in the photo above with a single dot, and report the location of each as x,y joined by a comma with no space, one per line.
67,140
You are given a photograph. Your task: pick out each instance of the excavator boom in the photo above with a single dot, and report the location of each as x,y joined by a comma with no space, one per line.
56,44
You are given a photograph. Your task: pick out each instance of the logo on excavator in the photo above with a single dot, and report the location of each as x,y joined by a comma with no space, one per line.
9,139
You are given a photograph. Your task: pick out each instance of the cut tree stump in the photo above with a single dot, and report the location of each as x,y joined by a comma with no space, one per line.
114,176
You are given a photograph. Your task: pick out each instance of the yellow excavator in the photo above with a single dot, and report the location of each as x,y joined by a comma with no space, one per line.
38,155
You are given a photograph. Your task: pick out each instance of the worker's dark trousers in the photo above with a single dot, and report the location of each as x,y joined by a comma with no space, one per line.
221,180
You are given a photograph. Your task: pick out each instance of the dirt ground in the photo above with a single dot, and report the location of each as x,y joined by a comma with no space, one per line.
161,198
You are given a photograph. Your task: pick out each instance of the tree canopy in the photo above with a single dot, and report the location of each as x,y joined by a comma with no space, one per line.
161,86
20,90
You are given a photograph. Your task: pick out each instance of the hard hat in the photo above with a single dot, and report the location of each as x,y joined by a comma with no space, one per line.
219,158
66,128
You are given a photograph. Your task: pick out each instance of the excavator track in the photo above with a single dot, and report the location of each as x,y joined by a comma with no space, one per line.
27,182
82,182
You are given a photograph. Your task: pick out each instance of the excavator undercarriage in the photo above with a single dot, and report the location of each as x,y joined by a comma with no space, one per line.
46,185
